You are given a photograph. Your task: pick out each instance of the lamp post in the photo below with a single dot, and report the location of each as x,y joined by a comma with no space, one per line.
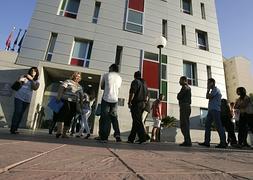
160,43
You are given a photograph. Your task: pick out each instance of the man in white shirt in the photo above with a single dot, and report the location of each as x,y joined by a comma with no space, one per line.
111,83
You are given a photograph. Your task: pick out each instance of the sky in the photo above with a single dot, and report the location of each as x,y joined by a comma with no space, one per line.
235,19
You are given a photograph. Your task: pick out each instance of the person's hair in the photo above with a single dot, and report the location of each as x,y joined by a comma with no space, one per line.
242,91
137,75
211,80
73,76
114,68
184,78
224,101
161,95
35,78
232,104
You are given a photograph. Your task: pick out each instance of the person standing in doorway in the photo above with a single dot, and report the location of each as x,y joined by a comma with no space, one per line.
184,98
71,92
111,83
213,94
138,95
23,97
157,117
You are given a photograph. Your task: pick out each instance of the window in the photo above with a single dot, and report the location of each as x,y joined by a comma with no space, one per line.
183,30
134,18
164,28
69,8
164,71
186,6
96,12
81,53
203,12
190,71
202,40
209,72
153,94
51,45
118,56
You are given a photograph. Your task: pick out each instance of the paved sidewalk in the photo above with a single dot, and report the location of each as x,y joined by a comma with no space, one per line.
42,156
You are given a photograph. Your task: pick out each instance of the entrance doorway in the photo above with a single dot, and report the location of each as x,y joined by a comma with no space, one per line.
53,78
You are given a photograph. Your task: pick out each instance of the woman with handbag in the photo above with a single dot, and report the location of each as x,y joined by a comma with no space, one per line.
243,104
71,93
24,88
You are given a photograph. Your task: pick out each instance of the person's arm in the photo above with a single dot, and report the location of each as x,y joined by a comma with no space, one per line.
132,92
213,93
35,84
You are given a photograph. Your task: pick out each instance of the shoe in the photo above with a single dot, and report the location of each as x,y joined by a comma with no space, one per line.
78,136
118,139
14,132
130,142
57,135
103,141
87,136
246,145
65,136
141,142
97,138
71,134
222,146
185,144
204,144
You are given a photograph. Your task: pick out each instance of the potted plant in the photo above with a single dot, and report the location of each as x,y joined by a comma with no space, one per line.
168,130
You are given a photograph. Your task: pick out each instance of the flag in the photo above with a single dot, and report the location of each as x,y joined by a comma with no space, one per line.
8,41
21,41
16,41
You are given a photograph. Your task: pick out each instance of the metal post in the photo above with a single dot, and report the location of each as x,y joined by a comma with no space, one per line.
160,68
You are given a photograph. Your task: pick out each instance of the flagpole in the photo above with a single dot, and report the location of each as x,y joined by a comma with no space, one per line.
16,40
8,41
21,41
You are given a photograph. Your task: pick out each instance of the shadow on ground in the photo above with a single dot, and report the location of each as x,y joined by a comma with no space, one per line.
43,137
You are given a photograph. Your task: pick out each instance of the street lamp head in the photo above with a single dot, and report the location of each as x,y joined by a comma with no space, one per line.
161,42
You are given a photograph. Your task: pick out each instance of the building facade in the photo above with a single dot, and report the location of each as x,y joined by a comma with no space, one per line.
238,74
88,36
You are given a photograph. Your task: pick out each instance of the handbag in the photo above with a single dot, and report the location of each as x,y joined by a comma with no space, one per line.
16,85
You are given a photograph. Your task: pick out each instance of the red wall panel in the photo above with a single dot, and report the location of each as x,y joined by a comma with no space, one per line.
150,74
76,62
164,109
136,5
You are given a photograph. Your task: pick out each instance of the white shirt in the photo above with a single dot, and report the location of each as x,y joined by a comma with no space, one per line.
112,82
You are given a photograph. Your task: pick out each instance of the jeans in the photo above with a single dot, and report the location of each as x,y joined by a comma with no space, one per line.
214,115
185,112
137,125
19,109
84,122
108,115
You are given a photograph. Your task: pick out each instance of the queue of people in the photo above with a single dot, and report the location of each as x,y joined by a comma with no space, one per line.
77,102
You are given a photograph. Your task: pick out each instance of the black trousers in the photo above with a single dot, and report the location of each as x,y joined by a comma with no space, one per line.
245,124
67,113
229,127
137,125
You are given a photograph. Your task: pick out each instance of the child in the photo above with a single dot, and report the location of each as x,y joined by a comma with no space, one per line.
85,114
226,119
157,117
